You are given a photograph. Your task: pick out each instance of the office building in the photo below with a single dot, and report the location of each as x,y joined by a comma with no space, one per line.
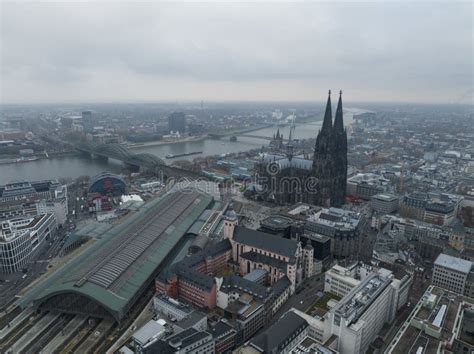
21,237
23,198
464,337
360,315
441,322
171,307
343,227
87,121
434,208
148,334
451,273
366,185
341,280
190,341
384,203
177,122
224,336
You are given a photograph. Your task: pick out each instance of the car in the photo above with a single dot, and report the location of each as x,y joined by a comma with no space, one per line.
24,276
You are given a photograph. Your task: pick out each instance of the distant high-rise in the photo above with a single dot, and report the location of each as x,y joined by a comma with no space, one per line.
87,122
177,122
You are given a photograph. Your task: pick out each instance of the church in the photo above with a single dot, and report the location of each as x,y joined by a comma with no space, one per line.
288,179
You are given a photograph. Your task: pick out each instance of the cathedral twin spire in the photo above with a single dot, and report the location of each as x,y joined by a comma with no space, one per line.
338,120
330,156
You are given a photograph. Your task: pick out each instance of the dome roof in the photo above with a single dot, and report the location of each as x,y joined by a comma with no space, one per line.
230,213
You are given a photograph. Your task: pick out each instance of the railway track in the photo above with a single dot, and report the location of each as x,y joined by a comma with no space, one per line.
20,329
83,333
97,336
9,316
48,334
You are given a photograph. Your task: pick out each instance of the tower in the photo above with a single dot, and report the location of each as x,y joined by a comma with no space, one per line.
340,156
330,158
230,221
323,158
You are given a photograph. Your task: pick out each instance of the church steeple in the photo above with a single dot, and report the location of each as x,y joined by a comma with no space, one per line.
338,120
327,122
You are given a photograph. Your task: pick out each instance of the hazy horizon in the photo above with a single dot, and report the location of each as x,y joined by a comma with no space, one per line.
103,52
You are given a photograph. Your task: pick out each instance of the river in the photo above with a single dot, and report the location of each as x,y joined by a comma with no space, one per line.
75,166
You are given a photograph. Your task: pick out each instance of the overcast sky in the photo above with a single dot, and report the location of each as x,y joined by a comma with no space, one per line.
103,51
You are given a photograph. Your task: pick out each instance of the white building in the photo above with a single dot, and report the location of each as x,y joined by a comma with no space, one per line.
148,334
361,314
34,198
58,207
339,281
171,307
384,203
451,273
20,238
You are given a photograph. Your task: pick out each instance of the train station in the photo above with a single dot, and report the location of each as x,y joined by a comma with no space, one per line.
107,279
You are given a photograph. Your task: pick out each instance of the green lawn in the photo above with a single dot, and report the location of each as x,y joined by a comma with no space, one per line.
322,303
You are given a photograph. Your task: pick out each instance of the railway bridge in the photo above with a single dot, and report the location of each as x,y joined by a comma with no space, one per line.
138,161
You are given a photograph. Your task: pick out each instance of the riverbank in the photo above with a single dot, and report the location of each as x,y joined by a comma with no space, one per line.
12,159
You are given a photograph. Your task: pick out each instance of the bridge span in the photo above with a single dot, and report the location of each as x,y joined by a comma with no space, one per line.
140,161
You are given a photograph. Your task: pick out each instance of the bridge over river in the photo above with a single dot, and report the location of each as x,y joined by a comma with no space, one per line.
138,161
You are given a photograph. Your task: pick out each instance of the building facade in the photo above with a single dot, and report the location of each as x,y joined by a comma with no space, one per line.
360,315
177,122
21,237
451,273
384,203
341,226
20,199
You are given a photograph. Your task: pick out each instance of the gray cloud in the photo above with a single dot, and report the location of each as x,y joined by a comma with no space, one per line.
378,51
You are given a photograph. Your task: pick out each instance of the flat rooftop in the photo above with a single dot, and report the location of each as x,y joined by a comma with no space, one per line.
353,305
311,345
453,263
386,197
437,311
335,217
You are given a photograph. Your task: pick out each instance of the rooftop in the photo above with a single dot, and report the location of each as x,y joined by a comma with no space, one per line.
283,162
353,305
261,258
268,242
148,331
277,222
274,337
336,218
237,283
453,263
386,197
433,321
256,275
311,345
114,269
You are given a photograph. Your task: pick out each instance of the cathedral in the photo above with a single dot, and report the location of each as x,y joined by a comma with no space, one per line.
288,179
